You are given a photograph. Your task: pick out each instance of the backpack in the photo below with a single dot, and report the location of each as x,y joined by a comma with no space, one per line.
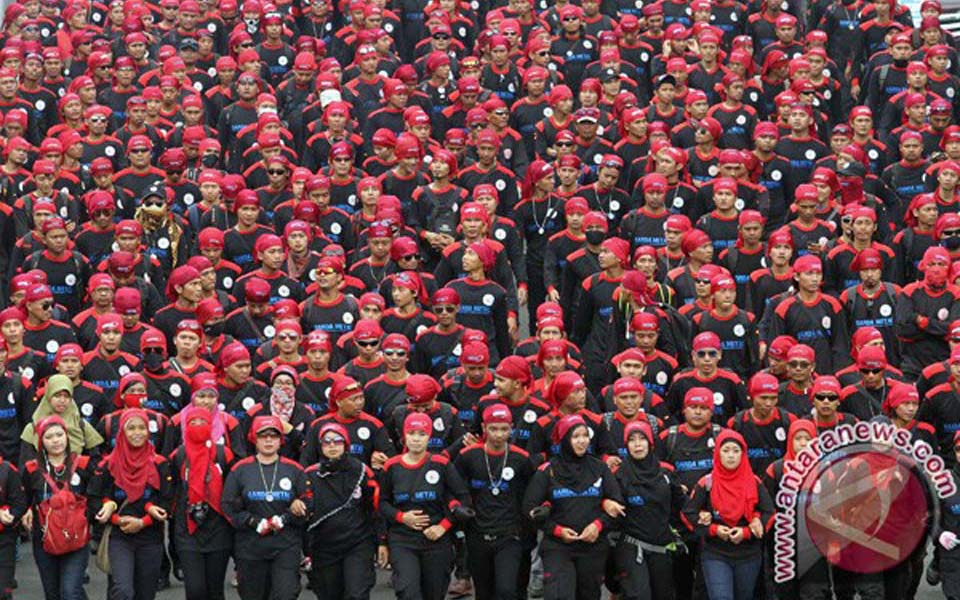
681,332
674,431
63,517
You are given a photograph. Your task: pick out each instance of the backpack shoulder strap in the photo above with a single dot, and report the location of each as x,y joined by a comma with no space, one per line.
672,434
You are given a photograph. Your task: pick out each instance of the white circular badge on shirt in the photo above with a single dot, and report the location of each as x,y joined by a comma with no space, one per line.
488,299
70,279
52,346
529,417
248,403
363,433
283,291
110,151
780,434
507,473
826,322
738,330
717,398
335,228
269,330
432,477
347,318
810,154
175,390
163,243
886,310
438,424
286,484
87,409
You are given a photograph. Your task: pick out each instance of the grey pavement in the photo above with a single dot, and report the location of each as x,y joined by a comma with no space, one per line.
30,588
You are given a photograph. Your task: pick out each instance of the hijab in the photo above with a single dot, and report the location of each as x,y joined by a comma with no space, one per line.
203,476
133,468
647,469
570,470
82,435
795,428
218,421
733,492
281,403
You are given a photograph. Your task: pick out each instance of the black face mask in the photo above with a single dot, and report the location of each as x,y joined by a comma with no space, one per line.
848,2
950,243
213,331
901,63
595,237
210,161
152,361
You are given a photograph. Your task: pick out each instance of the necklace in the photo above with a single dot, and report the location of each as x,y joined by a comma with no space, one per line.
547,215
273,481
495,485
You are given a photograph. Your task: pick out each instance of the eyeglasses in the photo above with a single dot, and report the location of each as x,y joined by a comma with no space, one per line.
31,28
870,371
139,151
341,159
707,354
702,281
951,233
568,19
441,36
332,441
46,305
287,336
826,397
798,364
276,171
445,309
368,344
394,353
846,220
565,144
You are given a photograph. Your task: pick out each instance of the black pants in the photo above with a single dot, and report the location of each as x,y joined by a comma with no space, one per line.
349,578
578,568
422,573
651,578
495,566
204,573
686,571
536,291
134,566
270,579
8,562
847,585
950,572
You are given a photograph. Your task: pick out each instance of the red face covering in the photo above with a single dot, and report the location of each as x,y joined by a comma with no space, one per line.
204,478
133,468
733,493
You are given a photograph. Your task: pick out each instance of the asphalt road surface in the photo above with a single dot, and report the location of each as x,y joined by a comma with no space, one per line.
30,588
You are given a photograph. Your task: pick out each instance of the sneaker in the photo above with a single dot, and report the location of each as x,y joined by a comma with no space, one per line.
233,579
460,588
163,583
933,574
178,573
306,564
535,590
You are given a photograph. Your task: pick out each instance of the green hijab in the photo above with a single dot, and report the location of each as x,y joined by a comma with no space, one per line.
82,435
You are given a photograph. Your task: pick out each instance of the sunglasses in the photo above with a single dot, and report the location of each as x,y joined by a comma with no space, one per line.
565,144
102,213
797,364
500,113
153,350
154,203
702,281
544,53
326,271
246,45
276,171
870,371
410,257
394,353
139,151
31,28
478,126
341,159
441,36
332,441
826,397
707,354
846,220
287,336
951,233
445,309
568,19
370,344
46,305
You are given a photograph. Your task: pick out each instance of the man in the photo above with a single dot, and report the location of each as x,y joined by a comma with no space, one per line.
328,309
764,426
167,388
812,317
106,364
44,334
67,270
387,391
735,327
483,302
511,382
726,387
436,349
873,301
316,381
464,387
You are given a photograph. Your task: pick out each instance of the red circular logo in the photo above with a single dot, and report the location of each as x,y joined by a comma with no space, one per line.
866,512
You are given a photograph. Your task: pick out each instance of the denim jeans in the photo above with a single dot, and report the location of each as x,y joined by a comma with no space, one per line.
730,579
61,576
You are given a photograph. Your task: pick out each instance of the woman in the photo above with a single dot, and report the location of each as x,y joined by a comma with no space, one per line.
132,393
815,583
296,416
61,576
644,565
421,495
131,489
58,400
262,499
224,429
568,496
732,545
203,537
343,507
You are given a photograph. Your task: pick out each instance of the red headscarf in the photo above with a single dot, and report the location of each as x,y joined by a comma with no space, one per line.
795,428
133,468
733,493
204,478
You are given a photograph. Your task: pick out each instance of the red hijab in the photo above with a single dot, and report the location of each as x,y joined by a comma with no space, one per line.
733,492
133,468
203,476
795,428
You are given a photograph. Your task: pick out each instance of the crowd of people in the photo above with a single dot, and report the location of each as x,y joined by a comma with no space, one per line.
511,299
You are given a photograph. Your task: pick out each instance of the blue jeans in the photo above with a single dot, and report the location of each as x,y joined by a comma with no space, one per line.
61,576
730,579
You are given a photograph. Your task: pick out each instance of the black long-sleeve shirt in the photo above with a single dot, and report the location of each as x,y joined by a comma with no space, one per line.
700,500
507,472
